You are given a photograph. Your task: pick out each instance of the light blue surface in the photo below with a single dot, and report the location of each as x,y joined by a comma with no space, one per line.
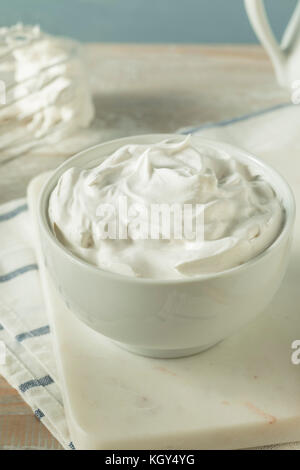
186,21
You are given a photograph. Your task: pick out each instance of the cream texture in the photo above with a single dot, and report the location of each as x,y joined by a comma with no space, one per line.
47,92
242,213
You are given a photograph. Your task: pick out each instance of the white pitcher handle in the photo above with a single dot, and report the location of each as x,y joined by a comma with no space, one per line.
258,18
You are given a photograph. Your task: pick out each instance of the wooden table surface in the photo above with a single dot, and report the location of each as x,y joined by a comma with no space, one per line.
141,89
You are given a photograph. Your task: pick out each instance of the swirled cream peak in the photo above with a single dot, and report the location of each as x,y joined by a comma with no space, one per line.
236,207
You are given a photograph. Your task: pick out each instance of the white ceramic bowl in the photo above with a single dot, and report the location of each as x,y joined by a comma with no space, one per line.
166,318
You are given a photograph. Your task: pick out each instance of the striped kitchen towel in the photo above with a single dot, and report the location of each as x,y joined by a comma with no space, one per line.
29,365
27,361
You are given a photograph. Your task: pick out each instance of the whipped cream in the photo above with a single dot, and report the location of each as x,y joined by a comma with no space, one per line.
47,93
241,213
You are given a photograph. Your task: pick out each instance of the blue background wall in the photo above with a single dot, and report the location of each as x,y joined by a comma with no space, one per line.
186,21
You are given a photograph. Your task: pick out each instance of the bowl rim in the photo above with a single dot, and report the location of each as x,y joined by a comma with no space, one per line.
288,203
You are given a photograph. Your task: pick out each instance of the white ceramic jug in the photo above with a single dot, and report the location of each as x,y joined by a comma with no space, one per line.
285,57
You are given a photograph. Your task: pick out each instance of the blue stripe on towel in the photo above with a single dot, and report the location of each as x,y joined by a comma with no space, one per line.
43,330
39,414
42,382
71,445
244,117
11,214
1,327
18,272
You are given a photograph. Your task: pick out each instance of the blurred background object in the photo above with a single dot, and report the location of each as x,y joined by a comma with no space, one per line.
285,55
144,21
47,93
